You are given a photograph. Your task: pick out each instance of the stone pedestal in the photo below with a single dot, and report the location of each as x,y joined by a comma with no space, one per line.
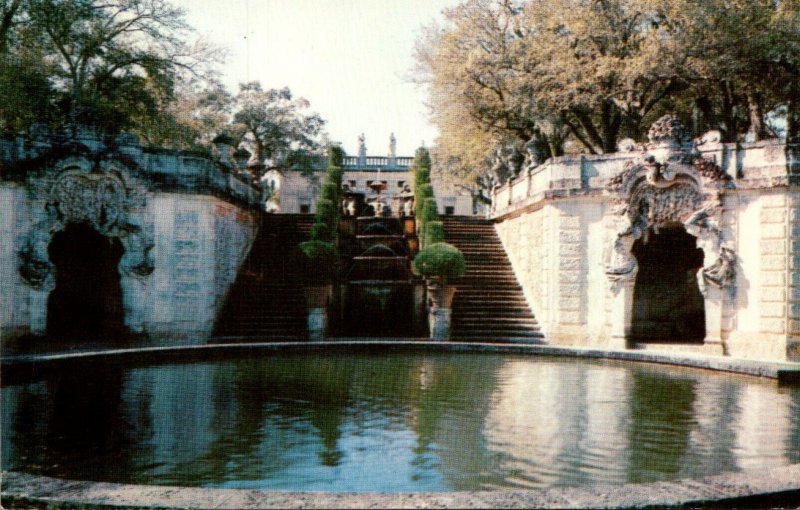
317,298
317,324
440,301
439,322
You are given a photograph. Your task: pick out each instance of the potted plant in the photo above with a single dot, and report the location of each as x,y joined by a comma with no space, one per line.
439,263
320,261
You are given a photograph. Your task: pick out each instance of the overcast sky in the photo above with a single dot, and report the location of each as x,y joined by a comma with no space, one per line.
349,58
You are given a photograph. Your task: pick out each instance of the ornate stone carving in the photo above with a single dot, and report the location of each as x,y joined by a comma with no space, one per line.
97,196
96,199
722,273
669,185
668,129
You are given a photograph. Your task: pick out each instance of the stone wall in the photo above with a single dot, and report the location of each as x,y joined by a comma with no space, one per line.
569,226
200,244
14,218
185,224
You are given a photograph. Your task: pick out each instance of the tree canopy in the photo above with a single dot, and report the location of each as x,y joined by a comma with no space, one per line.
136,65
579,75
106,64
277,128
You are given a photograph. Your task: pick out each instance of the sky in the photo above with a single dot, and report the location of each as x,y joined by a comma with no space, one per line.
350,59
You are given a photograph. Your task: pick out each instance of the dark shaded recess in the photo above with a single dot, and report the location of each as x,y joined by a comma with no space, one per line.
378,226
86,303
667,303
379,310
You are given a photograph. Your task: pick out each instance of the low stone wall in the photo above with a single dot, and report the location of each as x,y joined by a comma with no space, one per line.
570,225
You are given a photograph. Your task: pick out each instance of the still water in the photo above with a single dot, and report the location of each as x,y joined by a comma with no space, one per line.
395,422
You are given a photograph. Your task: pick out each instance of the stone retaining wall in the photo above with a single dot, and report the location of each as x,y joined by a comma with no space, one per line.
569,225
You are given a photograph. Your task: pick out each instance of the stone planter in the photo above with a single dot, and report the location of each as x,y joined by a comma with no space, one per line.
317,305
440,302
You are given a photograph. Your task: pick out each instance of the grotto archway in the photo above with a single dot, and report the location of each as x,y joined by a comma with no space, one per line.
667,303
86,302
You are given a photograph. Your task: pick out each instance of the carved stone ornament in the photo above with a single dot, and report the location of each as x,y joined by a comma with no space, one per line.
91,194
669,185
95,199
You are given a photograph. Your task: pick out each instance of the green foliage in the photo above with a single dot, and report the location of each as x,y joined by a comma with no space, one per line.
424,191
320,261
335,156
334,175
430,210
321,232
440,260
107,65
433,233
330,191
422,159
326,213
422,175
276,126
579,75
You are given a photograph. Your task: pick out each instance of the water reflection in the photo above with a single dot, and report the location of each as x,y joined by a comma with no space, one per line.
396,423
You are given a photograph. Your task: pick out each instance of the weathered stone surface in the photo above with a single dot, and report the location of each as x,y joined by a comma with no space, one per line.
184,226
736,200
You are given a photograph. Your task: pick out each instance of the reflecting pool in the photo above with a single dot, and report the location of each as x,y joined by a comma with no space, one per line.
395,422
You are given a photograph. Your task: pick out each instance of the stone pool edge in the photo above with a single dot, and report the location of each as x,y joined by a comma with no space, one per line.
784,372
763,488
773,487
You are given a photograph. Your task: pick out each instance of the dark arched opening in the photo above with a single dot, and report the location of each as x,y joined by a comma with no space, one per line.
667,303
86,303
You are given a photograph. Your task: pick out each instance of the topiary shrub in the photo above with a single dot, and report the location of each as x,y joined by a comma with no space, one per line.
430,210
422,175
433,233
330,191
320,232
320,261
422,166
334,176
440,260
420,194
326,213
335,156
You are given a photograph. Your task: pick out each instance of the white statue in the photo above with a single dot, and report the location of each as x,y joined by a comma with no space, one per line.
362,147
392,146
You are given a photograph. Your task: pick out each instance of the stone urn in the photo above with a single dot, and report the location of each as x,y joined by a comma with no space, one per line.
438,264
440,306
317,297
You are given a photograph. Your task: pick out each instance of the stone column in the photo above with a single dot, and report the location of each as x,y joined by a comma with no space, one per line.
713,311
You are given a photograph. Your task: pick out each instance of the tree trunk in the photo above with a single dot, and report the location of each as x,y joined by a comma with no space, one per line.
757,129
728,115
793,115
703,116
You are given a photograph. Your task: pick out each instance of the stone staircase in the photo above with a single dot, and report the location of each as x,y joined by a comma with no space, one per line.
489,304
266,301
